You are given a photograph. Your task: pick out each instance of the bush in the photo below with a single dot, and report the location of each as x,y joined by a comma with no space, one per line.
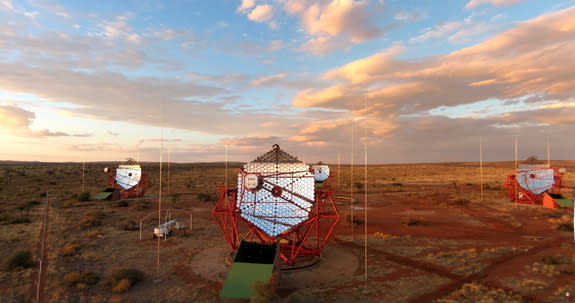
123,279
84,196
142,205
70,249
122,203
203,197
263,293
206,197
549,260
131,226
121,287
564,227
80,279
356,220
411,222
94,218
73,278
462,201
11,219
20,259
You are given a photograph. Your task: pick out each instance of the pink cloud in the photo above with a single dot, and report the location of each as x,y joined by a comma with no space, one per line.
17,121
334,24
474,3
533,57
261,13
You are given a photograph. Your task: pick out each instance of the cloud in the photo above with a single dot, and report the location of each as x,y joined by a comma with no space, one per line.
474,3
190,104
119,28
166,34
246,5
98,147
325,45
335,24
457,31
341,16
407,15
261,13
284,80
52,7
440,31
531,59
6,5
17,121
267,79
14,117
329,25
251,141
370,68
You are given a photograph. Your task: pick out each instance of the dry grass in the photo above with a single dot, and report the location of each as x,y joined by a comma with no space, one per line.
563,223
469,261
477,293
96,236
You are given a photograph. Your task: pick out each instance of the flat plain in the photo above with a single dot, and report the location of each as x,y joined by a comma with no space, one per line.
432,236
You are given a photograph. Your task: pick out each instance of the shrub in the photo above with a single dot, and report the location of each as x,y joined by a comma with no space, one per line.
94,218
263,293
461,201
70,249
122,203
20,259
356,220
131,225
549,260
122,286
84,196
123,279
73,278
80,279
11,219
203,197
411,222
564,227
142,205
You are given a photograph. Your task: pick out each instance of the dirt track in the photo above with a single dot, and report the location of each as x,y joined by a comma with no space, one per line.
40,274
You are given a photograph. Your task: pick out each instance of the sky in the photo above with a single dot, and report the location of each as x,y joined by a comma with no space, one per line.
402,81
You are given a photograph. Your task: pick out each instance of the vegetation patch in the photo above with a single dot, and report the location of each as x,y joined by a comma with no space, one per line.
92,219
203,197
264,293
356,220
131,225
70,249
81,279
84,196
413,221
18,260
475,292
121,280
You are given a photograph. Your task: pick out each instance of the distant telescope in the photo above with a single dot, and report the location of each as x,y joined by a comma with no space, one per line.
129,179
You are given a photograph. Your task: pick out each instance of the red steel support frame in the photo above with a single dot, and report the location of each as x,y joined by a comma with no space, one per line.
303,243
